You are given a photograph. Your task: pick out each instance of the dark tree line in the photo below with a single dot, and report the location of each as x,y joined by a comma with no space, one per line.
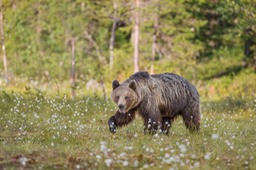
118,37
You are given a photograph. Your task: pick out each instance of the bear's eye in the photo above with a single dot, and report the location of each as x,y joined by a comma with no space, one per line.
126,98
117,98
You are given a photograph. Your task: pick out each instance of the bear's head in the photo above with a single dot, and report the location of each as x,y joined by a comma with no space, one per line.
124,96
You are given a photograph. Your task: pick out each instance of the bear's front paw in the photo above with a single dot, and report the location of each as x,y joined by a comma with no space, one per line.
112,126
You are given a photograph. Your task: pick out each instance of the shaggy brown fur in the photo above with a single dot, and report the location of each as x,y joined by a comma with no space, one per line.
158,99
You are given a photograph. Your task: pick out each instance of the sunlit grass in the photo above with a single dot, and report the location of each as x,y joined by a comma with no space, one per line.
56,132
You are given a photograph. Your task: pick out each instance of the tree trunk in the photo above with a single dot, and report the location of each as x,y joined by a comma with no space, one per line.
154,38
136,37
112,39
97,48
3,44
103,90
73,77
39,29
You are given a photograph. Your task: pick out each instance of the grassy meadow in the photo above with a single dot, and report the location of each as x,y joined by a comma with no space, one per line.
42,132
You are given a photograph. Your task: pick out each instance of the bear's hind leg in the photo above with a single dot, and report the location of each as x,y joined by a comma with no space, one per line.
166,125
191,117
151,126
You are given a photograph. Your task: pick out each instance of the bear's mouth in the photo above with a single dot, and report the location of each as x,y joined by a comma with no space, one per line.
122,111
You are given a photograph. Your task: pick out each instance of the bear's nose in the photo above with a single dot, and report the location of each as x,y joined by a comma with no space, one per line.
121,107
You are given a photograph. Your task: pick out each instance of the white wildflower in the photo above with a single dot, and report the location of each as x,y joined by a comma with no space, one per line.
167,155
207,156
193,156
128,148
215,136
23,160
108,162
196,164
122,155
36,116
125,163
182,148
78,166
98,157
145,166
135,163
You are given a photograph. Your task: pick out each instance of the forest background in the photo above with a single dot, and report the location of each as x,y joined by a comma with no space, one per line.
59,46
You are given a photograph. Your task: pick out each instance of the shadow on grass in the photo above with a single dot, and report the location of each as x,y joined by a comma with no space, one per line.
230,71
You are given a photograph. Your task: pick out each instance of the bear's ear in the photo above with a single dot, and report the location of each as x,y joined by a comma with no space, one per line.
115,84
133,85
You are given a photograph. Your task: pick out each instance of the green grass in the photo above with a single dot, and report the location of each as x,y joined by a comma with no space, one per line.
59,133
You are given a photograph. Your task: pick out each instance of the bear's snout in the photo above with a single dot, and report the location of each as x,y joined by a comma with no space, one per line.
121,108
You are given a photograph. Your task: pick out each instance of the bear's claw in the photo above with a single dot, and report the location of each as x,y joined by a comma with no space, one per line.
112,129
112,126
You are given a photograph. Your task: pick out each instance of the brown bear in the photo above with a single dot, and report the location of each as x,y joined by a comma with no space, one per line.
158,99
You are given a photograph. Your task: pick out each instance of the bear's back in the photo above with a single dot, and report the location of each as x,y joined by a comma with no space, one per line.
139,76
167,82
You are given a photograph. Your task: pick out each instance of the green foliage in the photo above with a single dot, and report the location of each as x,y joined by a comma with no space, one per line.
200,40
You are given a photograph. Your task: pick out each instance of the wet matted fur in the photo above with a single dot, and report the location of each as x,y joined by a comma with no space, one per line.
158,99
